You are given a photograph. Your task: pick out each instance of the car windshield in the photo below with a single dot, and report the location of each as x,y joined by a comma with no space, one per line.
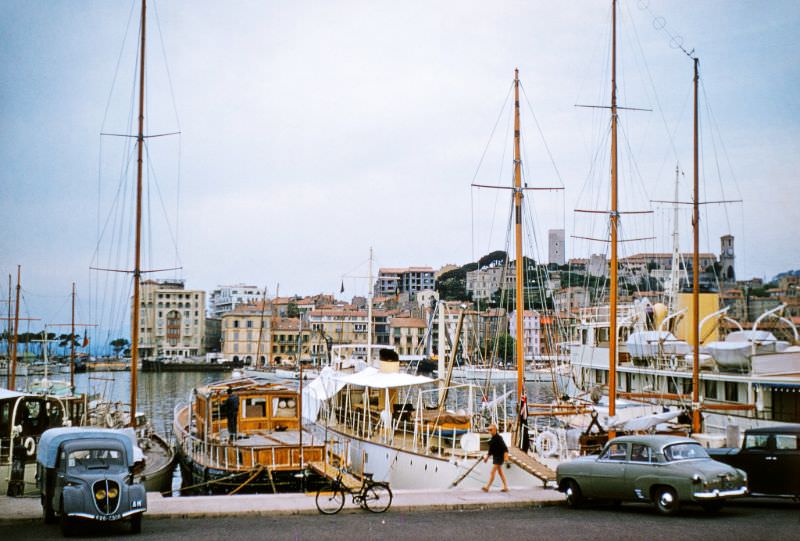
684,451
94,459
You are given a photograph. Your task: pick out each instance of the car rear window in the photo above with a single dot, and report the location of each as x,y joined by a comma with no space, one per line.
91,459
785,442
684,451
756,441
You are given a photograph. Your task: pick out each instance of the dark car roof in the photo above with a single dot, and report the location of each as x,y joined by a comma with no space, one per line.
783,429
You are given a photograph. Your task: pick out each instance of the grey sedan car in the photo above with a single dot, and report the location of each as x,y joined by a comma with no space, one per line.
664,470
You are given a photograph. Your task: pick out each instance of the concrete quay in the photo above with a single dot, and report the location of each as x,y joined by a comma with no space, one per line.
29,509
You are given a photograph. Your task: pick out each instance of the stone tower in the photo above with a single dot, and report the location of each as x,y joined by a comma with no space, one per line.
726,260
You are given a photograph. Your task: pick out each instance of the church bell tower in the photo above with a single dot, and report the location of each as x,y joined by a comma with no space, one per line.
726,260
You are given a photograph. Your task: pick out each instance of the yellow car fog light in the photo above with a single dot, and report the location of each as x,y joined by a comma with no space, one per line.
113,493
100,494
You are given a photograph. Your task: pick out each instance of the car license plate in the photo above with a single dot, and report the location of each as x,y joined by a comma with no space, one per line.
105,518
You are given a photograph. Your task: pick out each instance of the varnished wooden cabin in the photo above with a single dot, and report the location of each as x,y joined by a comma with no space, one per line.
271,448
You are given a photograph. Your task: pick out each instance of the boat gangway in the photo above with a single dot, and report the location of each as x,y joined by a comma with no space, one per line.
329,471
531,465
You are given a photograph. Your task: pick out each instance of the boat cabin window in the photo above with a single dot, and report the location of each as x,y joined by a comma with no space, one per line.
94,459
255,407
284,407
731,391
33,417
5,417
615,451
785,442
711,389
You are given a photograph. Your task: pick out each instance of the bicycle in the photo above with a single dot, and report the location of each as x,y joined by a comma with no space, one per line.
374,496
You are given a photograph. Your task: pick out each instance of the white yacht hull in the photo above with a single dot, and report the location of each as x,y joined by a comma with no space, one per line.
409,470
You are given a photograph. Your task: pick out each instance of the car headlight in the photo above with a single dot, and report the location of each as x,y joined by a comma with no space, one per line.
697,478
113,492
100,494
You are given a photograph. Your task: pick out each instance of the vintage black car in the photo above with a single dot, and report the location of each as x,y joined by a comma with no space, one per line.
771,458
664,470
89,474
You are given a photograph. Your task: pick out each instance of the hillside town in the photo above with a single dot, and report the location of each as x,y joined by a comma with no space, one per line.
242,324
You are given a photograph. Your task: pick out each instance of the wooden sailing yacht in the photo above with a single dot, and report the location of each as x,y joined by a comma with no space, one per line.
410,431
159,454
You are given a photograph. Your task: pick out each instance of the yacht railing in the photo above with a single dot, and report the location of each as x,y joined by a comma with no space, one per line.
240,457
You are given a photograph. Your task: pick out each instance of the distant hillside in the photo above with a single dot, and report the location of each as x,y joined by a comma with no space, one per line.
786,273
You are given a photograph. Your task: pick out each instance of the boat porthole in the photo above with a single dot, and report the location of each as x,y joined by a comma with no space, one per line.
426,467
437,469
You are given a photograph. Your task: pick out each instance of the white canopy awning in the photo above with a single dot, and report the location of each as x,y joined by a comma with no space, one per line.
374,379
8,393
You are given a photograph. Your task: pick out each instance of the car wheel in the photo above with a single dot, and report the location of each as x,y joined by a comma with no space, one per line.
666,501
136,523
712,507
574,496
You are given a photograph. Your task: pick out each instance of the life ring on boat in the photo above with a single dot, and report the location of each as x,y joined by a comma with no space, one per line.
547,444
30,445
109,420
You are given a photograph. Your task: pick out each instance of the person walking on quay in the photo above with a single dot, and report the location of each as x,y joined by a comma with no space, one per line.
232,413
499,453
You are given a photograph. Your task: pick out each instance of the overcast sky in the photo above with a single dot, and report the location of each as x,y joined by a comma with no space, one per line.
311,131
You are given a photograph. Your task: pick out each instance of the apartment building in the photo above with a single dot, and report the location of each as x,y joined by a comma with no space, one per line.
531,333
407,335
393,281
172,319
225,298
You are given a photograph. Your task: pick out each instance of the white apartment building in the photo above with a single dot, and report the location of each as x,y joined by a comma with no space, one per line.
483,283
409,280
172,319
226,298
532,333
570,299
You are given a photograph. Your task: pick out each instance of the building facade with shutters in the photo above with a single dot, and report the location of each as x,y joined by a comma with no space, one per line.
172,319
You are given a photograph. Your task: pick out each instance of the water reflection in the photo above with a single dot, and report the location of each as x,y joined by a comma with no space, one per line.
157,392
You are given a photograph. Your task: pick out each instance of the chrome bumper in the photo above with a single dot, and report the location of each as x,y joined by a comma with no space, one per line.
717,494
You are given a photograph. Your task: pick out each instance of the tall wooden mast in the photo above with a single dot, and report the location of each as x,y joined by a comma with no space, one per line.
520,343
696,272
614,221
137,271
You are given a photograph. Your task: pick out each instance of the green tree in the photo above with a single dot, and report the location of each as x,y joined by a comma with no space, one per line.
292,310
503,347
492,259
118,344
452,285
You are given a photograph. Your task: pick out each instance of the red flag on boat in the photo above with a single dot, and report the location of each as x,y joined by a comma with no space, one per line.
85,339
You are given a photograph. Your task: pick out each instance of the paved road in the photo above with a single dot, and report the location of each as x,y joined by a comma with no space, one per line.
771,520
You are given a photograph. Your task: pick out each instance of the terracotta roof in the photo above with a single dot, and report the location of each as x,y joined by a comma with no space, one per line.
411,322
288,324
334,312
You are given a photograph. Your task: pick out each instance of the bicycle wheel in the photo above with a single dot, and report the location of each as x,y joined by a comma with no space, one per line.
330,502
378,497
